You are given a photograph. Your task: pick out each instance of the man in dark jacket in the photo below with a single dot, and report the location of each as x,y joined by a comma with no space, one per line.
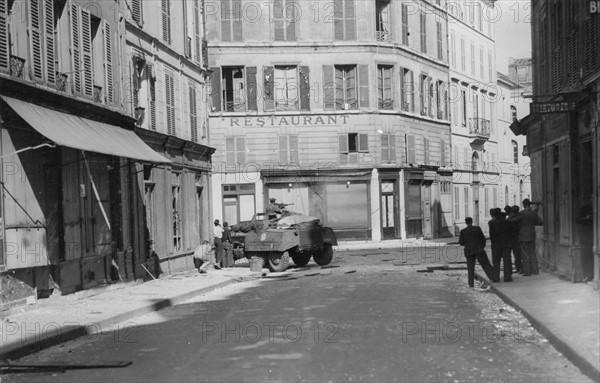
514,238
501,245
472,238
528,220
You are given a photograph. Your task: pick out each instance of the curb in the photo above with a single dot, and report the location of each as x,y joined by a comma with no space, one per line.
561,346
63,335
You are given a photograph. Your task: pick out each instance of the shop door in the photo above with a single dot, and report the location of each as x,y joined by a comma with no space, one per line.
427,221
388,209
414,213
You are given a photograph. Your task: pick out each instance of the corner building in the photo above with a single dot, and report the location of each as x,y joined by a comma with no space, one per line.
339,108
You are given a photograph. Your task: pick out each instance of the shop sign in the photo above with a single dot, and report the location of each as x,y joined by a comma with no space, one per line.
288,120
594,6
552,107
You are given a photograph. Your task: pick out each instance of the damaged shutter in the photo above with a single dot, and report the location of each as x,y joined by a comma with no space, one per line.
269,84
108,62
251,89
363,79
328,88
215,91
304,88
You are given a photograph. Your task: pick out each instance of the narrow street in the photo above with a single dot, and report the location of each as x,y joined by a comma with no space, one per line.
369,316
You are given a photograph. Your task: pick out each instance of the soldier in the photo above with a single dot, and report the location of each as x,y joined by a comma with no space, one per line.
273,208
472,238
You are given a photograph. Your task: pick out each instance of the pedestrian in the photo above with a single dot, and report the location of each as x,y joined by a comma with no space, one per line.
204,257
501,245
227,246
472,238
514,237
528,219
218,232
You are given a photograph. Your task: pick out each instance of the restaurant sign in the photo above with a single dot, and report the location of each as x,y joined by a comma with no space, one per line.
552,107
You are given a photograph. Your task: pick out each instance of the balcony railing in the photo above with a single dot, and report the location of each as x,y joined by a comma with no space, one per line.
61,81
16,66
286,105
383,36
479,127
406,106
387,104
233,106
98,94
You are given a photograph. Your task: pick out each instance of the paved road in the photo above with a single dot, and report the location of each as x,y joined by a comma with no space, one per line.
372,317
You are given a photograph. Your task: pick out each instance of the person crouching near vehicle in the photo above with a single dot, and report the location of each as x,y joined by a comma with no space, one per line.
472,238
204,257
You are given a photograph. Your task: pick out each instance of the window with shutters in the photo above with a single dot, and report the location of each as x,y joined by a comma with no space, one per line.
41,24
81,52
346,87
411,157
513,112
481,63
231,20
99,55
490,66
466,201
440,45
453,49
234,89
286,88
463,61
144,92
385,86
388,148
61,44
407,88
235,151
423,31
405,30
424,95
557,46
473,70
135,7
383,24
197,28
441,97
288,149
591,55
176,211
4,40
165,6
284,20
170,103
515,147
344,20
193,105
464,108
350,145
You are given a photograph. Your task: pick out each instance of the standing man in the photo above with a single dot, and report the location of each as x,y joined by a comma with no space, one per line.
515,227
227,246
218,231
501,245
472,238
528,219
272,208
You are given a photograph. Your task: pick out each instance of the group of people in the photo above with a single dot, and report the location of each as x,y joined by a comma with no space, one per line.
222,256
511,230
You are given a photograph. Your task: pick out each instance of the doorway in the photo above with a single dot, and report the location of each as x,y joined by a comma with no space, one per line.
389,208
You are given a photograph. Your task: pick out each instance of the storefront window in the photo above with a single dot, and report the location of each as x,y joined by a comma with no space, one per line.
342,196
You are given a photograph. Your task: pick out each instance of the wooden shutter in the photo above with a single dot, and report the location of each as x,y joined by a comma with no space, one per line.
404,24
240,153
215,91
108,62
226,20
238,21
283,150
343,148
385,148
425,150
170,103
363,79
293,142
136,11
197,36
152,88
363,142
35,39
290,33
443,153
166,20
304,88
349,20
410,149
4,56
279,20
392,145
269,85
328,87
338,19
251,87
75,49
193,111
86,53
49,40
229,151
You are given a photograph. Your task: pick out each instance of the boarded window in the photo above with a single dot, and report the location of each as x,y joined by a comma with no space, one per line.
231,20
410,149
288,149
344,20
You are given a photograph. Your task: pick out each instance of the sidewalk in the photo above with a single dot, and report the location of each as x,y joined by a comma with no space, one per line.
395,244
567,314
61,319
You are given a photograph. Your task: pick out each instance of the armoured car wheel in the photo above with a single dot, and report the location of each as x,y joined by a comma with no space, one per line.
325,256
301,259
278,262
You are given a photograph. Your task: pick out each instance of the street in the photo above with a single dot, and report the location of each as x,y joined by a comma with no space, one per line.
376,315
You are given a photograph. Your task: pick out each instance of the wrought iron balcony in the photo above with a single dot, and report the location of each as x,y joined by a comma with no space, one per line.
406,106
98,94
16,66
61,81
383,36
387,104
479,129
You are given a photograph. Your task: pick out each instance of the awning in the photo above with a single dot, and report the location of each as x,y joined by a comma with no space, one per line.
80,133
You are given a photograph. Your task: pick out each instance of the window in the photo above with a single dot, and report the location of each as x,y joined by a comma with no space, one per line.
440,45
234,89
144,93
388,148
513,112
196,13
288,149
453,49
472,58
235,151
135,6
463,64
385,86
405,32
176,210
350,145
443,153
383,30
342,89
423,30
286,88
411,156
344,20
446,187
238,202
424,95
457,203
426,149
166,20
466,203
464,108
490,67
170,103
441,94
40,24
515,152
284,20
481,63
231,20
101,60
407,90
193,105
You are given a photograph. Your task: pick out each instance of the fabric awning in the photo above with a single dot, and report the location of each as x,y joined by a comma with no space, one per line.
80,133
